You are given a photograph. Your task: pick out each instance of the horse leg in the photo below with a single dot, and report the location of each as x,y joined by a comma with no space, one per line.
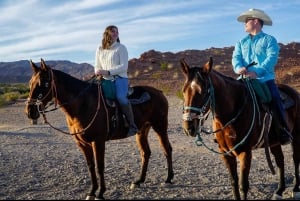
231,164
296,159
89,157
145,152
99,151
245,164
279,160
167,148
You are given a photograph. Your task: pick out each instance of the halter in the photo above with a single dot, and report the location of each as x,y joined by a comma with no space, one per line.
203,111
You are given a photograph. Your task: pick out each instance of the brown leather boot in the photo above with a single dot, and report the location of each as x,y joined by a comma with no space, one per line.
127,111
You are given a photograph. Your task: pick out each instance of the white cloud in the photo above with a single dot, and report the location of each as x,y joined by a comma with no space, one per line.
72,29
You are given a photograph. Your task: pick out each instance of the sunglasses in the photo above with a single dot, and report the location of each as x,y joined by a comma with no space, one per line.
248,19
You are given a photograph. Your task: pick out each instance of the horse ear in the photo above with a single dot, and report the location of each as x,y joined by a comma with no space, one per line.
208,66
33,66
184,66
43,65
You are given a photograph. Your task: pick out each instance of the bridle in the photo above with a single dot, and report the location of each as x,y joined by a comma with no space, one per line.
38,102
191,113
209,105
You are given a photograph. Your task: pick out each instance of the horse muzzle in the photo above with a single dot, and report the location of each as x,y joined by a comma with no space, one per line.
32,111
190,123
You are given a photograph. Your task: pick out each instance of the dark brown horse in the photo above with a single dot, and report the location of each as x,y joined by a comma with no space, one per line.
88,115
237,123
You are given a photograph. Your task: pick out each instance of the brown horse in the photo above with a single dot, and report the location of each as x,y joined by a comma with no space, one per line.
237,123
88,115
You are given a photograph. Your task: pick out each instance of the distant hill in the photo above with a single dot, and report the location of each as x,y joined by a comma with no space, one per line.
162,69
20,71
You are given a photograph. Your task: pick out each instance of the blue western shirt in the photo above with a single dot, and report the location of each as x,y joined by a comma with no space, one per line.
262,49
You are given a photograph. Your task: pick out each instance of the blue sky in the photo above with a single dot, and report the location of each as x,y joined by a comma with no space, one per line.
72,29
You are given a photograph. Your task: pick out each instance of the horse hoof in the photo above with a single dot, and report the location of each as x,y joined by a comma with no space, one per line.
276,197
90,197
133,186
296,195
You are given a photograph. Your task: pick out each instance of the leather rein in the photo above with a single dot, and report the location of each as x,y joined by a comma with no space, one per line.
208,106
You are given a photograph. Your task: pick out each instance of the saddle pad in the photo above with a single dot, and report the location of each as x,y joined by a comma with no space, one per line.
143,98
286,100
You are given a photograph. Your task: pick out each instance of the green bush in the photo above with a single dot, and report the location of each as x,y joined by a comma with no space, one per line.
11,92
164,65
11,96
179,94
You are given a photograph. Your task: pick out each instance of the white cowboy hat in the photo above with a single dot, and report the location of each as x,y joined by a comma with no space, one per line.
255,13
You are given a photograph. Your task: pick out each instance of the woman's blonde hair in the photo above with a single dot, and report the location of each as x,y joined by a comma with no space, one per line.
107,40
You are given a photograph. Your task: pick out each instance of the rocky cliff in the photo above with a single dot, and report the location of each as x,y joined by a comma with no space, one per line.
162,69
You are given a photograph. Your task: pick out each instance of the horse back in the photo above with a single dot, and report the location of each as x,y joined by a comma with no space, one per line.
291,102
157,98
153,111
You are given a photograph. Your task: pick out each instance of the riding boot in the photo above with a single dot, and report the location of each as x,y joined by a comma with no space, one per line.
127,111
278,110
285,136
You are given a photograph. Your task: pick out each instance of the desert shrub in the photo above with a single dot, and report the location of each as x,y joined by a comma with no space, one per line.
156,75
11,96
163,65
11,92
2,101
179,94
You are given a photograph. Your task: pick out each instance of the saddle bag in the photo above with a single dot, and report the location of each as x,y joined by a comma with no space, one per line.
108,89
262,91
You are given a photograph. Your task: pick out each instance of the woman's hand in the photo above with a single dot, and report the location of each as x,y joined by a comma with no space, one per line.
102,72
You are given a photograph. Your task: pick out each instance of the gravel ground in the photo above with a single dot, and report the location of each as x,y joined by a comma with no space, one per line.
38,163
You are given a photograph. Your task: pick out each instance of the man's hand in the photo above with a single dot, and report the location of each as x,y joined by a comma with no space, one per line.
242,70
251,75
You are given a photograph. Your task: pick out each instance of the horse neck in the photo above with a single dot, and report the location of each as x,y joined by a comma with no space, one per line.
69,92
229,94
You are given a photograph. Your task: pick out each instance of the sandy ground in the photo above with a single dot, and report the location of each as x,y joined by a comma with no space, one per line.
38,162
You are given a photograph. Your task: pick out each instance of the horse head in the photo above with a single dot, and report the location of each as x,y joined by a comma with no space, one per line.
197,96
41,90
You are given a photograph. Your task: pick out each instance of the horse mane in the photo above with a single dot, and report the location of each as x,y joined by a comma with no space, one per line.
223,75
71,83
231,80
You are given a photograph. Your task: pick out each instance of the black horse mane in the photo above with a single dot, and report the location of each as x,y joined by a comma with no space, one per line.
218,73
72,83
229,79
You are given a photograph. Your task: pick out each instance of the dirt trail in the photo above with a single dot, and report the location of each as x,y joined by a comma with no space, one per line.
37,162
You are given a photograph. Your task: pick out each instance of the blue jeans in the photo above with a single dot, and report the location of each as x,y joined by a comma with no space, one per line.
276,101
121,84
